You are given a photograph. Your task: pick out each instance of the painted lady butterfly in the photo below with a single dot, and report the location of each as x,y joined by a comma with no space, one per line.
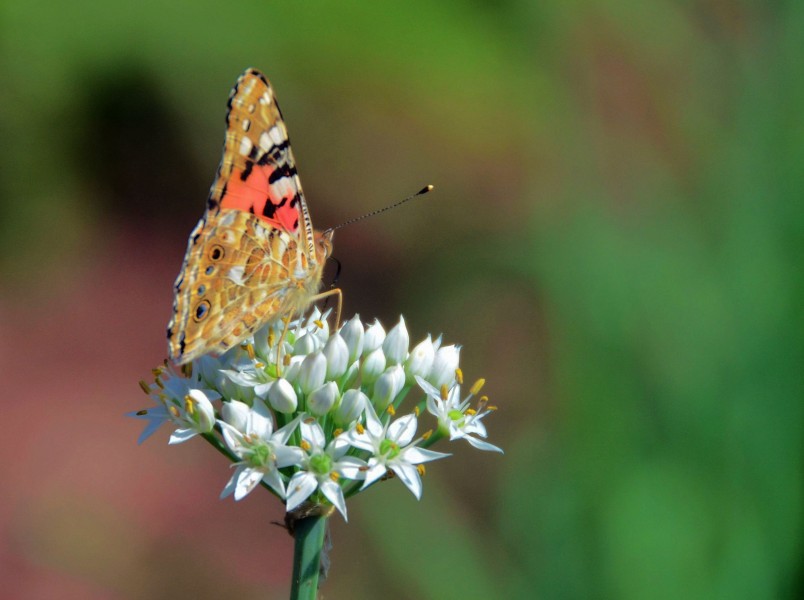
254,256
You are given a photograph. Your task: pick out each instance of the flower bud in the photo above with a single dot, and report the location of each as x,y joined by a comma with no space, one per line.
396,343
236,414
375,335
352,333
282,397
387,386
351,375
352,405
420,360
312,372
337,354
444,364
373,365
306,344
323,399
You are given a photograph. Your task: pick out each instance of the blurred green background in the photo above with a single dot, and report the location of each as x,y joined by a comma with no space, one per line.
615,238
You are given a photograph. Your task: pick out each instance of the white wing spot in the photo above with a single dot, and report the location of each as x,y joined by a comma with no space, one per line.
246,124
236,275
245,146
265,142
277,136
265,98
252,108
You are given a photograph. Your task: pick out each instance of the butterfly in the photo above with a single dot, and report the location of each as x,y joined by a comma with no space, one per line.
254,256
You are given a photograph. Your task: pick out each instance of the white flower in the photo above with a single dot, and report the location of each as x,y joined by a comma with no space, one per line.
337,353
262,450
392,447
455,416
373,366
351,406
321,400
387,386
352,333
321,468
420,360
395,345
313,371
445,363
282,397
375,335
180,402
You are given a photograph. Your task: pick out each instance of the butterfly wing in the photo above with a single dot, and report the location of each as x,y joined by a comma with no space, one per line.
252,257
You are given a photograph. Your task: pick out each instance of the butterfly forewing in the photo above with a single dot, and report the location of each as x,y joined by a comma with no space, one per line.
252,257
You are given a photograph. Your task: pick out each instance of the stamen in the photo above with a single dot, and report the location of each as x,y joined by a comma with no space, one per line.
145,387
174,411
159,384
187,370
305,445
444,392
250,350
360,429
271,338
259,365
459,376
421,470
477,386
319,323
337,432
390,410
189,405
471,412
141,413
334,476
286,360
427,434
416,411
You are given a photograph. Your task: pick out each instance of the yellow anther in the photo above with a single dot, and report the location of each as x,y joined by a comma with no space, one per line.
157,371
444,392
145,387
141,413
159,384
390,410
250,350
189,404
271,339
483,399
334,476
259,365
319,323
174,411
337,432
459,376
427,434
305,445
477,386
286,360
421,470
471,412
491,407
187,370
359,428
416,411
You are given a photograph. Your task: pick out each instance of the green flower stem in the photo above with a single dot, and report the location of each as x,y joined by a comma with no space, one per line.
309,534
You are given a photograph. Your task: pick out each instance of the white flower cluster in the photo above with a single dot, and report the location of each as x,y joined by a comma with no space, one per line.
312,416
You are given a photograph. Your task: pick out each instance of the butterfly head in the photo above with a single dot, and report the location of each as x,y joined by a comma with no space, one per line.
323,245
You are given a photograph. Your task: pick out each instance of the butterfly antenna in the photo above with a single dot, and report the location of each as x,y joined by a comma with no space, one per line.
421,192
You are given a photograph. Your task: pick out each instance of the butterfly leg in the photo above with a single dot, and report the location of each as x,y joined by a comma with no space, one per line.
286,321
333,292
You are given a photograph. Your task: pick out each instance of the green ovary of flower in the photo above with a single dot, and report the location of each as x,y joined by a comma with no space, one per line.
320,464
260,455
389,449
456,416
